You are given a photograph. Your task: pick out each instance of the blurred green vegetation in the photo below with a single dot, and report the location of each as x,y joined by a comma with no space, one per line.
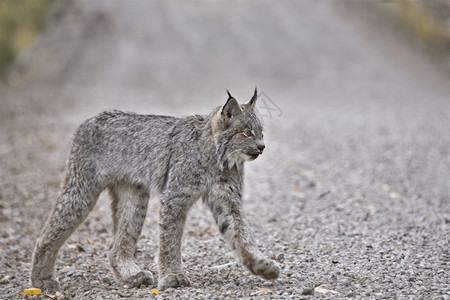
20,23
427,23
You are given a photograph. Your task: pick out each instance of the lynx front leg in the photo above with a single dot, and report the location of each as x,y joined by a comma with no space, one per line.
129,206
172,218
227,210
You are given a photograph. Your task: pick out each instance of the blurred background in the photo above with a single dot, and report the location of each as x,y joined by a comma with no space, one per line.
202,47
427,22
355,97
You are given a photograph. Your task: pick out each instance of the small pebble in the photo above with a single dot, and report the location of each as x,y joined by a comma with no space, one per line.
122,293
94,282
5,279
108,279
307,291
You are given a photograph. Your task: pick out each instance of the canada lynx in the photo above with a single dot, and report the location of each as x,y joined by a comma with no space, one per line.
182,159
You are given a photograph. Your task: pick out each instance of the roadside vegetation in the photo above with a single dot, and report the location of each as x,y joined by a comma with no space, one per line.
429,23
20,23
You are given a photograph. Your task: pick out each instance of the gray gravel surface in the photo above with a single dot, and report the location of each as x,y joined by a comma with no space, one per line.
351,196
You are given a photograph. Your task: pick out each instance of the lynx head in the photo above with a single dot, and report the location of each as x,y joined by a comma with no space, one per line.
237,132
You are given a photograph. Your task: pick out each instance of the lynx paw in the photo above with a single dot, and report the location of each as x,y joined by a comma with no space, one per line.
136,280
265,268
173,280
48,285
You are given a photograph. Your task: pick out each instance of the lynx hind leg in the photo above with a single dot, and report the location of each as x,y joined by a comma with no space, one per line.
70,210
129,207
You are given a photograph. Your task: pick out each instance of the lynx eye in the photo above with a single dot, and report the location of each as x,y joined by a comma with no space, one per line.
248,133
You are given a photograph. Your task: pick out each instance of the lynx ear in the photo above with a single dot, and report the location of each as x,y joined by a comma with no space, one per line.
231,108
252,101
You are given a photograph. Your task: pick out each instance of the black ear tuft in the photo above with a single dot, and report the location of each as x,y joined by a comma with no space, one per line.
252,101
229,95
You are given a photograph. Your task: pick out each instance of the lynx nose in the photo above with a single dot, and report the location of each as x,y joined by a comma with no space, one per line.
261,147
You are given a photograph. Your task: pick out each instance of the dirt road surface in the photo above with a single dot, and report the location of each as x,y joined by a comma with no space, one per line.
351,196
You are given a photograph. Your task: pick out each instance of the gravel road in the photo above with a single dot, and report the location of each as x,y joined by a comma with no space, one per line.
351,196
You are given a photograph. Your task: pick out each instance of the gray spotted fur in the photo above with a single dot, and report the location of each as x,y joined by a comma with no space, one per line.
182,159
